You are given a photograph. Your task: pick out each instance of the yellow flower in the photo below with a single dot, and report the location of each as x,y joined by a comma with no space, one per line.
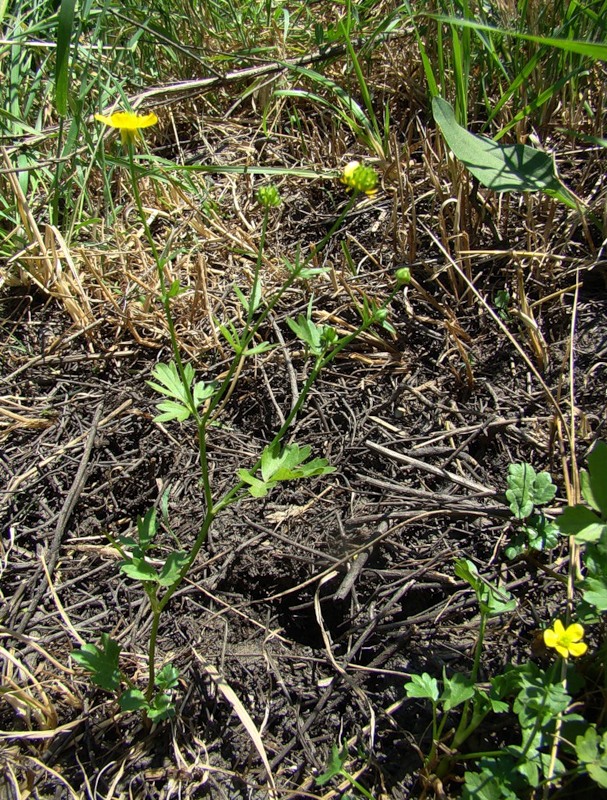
566,642
358,176
128,123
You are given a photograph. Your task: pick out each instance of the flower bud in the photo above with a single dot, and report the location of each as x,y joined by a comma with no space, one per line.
360,177
403,276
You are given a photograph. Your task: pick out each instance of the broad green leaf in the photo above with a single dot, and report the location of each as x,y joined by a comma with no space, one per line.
456,690
502,168
273,460
423,686
101,662
146,529
542,535
527,489
308,332
582,523
520,489
595,592
467,571
139,570
161,707
132,700
543,489
485,786
172,567
595,485
591,750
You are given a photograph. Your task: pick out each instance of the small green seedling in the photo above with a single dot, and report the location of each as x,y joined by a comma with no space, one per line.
527,491
336,769
461,690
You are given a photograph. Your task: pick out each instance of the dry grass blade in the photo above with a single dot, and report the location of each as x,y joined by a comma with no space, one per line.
243,715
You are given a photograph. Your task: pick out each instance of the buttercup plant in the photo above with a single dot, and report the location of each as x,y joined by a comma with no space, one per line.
557,743
185,398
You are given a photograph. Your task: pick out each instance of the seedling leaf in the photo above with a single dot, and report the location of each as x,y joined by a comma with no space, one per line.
146,529
167,677
337,759
527,489
132,700
456,690
139,570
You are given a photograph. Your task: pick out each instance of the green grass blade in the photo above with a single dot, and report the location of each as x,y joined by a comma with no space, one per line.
597,51
65,26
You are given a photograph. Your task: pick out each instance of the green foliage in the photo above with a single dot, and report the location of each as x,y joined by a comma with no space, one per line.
502,168
317,338
65,24
101,662
283,464
183,395
336,768
527,490
491,599
423,686
590,524
137,566
591,751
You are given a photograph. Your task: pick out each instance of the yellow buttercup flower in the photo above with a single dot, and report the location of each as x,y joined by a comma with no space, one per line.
566,642
128,123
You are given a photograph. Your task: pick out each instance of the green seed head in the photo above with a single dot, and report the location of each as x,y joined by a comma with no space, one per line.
268,196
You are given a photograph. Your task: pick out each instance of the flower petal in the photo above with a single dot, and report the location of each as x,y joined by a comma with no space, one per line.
128,120
559,628
575,632
550,638
562,651
578,648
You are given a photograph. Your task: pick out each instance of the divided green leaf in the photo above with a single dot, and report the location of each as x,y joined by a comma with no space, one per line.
172,567
456,690
527,489
591,750
424,686
284,464
101,662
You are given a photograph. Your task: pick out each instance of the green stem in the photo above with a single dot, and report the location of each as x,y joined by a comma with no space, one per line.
156,611
464,730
